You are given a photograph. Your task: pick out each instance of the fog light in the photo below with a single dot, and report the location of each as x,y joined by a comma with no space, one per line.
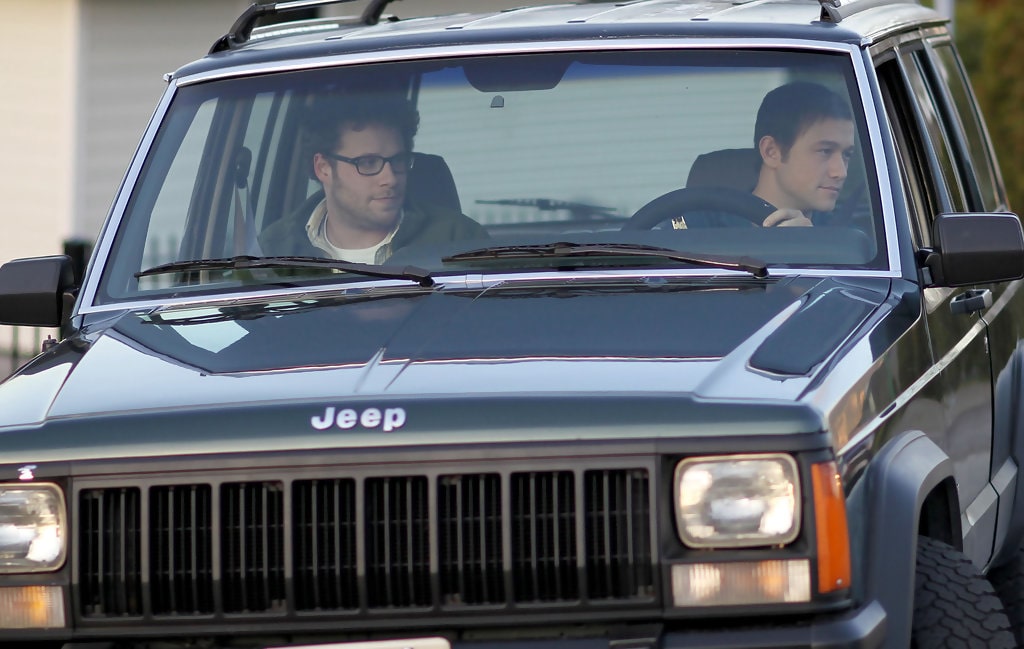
743,583
31,607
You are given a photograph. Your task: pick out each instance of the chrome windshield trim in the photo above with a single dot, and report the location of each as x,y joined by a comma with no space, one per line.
861,67
426,53
87,295
468,281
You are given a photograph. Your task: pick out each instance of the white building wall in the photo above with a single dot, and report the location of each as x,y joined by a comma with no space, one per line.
37,81
125,48
36,124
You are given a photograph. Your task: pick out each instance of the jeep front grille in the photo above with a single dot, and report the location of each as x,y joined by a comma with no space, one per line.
366,544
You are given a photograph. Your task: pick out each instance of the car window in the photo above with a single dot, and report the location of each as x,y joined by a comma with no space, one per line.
926,107
963,112
170,212
915,165
544,144
533,149
951,127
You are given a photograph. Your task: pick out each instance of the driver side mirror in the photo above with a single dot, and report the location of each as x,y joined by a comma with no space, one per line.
979,248
32,290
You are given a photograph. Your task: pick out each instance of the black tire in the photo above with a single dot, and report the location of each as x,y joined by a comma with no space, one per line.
1008,580
954,605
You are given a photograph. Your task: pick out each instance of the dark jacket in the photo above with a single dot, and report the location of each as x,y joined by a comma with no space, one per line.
420,224
713,219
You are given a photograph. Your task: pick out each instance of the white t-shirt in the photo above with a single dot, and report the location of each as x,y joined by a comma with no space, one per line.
316,229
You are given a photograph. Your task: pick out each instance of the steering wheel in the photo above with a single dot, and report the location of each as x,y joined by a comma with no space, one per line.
710,199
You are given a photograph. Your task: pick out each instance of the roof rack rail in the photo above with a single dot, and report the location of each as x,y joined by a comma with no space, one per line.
241,30
834,11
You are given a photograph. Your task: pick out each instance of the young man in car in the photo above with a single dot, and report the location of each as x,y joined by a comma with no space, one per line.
362,157
804,135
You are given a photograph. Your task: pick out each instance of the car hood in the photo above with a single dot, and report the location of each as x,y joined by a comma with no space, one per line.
715,339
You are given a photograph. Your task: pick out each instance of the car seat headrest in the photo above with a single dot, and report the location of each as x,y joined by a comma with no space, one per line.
431,182
731,168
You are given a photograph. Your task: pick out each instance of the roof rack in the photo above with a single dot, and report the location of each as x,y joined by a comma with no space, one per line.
241,30
835,11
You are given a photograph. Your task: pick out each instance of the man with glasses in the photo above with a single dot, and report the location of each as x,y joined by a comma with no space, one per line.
362,155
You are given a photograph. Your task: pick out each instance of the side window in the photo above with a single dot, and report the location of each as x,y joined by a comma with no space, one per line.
263,141
963,109
170,212
230,181
951,127
926,108
915,168
209,163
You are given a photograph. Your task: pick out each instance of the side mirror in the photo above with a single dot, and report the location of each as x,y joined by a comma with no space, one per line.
976,248
32,290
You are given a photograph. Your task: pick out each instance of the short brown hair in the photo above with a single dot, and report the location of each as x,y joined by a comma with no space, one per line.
330,118
791,109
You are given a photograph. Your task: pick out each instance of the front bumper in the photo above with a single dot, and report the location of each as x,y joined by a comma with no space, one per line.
863,627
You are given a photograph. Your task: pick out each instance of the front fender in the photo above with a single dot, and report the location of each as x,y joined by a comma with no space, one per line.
898,481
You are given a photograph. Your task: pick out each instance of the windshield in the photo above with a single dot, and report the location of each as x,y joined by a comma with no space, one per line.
728,155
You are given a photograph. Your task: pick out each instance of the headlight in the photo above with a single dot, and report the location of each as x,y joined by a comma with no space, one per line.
32,523
737,501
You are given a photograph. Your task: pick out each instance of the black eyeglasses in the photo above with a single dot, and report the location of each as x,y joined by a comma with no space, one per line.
371,165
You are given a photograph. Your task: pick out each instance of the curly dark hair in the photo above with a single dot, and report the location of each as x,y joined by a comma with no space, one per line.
331,116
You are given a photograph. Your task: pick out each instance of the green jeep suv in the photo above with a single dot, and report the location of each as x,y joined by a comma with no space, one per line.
654,324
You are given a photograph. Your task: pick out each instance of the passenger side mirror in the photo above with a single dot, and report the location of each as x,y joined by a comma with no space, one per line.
976,248
32,290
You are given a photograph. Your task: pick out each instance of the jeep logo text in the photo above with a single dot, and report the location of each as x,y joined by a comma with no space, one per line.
390,419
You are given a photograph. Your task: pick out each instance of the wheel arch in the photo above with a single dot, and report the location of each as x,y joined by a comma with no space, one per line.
910,487
940,515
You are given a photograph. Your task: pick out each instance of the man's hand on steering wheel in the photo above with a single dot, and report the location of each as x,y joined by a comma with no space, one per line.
714,199
786,218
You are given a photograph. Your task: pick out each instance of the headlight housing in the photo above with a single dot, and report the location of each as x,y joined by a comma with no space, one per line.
737,501
33,519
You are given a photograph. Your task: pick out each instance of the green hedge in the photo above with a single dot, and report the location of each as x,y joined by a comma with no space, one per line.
990,37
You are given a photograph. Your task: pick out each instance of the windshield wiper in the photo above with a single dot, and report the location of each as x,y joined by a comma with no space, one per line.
562,249
245,262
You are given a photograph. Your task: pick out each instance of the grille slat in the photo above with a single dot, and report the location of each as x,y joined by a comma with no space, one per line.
617,534
398,532
325,538
253,547
180,550
332,522
469,527
544,537
110,552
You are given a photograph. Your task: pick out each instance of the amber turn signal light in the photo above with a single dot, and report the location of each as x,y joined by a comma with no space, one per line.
830,527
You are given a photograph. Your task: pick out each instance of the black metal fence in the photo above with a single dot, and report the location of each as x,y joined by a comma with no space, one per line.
17,345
